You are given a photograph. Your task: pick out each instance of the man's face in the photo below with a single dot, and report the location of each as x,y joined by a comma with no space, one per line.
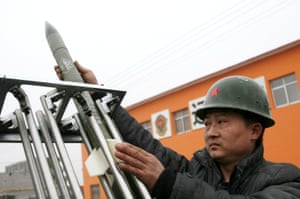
228,138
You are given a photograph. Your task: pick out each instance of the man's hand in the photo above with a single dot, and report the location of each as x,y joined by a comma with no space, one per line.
140,163
87,75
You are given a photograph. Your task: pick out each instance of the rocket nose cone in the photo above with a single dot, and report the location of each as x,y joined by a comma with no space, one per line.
49,29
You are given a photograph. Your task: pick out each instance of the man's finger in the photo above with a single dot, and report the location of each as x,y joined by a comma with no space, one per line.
130,154
58,72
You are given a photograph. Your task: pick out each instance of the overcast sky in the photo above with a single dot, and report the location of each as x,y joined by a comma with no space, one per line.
142,47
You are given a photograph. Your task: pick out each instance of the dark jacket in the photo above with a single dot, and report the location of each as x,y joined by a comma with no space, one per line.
200,177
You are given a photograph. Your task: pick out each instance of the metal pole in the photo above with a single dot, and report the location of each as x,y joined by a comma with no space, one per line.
53,156
62,150
120,178
103,179
24,103
37,181
143,191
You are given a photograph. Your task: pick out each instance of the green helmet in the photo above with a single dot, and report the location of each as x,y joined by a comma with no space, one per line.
238,93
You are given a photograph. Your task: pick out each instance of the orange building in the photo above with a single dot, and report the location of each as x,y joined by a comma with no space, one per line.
169,115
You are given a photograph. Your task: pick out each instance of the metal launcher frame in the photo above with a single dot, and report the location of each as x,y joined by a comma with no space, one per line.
44,134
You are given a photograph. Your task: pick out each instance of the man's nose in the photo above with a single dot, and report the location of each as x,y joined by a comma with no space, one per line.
212,131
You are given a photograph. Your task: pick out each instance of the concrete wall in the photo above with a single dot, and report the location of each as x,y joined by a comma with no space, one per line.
16,182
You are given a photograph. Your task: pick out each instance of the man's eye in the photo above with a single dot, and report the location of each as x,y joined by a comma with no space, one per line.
221,121
206,123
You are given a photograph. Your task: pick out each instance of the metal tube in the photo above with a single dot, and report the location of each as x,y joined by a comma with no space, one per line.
53,156
62,150
37,181
26,108
41,156
120,179
116,134
103,179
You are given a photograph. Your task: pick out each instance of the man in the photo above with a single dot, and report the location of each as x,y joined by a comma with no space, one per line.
235,114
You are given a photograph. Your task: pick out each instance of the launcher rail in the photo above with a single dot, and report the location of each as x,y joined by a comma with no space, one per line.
43,135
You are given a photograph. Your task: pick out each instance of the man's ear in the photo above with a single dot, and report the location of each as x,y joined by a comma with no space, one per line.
257,130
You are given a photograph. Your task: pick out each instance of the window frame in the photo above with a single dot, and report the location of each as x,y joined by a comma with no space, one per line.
184,119
93,191
284,85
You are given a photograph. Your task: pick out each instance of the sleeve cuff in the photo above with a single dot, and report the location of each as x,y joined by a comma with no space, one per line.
164,185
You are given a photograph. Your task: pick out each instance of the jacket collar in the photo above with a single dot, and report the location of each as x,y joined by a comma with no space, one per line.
253,159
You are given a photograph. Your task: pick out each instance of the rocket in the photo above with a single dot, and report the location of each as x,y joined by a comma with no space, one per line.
62,55
70,72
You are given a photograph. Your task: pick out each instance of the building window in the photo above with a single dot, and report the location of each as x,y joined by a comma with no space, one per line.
285,90
95,191
147,126
182,121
